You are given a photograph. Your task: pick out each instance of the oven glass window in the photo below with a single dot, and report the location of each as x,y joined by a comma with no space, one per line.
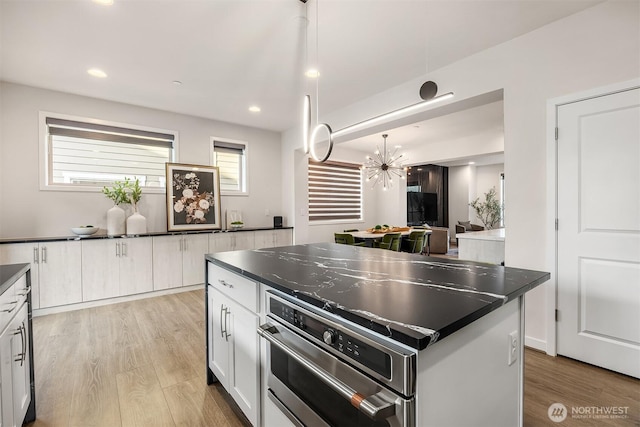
333,408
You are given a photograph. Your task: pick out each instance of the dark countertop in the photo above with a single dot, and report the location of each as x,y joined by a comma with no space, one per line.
414,299
101,234
10,273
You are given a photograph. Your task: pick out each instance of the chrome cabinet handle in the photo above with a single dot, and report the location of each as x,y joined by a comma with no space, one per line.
44,254
226,326
20,357
223,283
375,407
181,244
36,259
10,310
222,309
117,249
184,244
124,249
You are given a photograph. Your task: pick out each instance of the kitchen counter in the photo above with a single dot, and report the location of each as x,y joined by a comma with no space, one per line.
101,234
10,273
413,299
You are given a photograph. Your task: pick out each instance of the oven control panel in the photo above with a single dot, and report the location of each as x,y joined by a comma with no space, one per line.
328,334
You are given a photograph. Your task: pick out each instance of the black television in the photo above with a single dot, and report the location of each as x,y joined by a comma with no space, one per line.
421,208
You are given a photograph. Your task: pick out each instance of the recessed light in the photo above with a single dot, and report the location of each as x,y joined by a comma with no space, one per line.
254,109
177,82
104,2
312,73
95,72
472,163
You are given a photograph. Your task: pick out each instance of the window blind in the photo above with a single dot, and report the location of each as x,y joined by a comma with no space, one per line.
335,191
90,154
229,158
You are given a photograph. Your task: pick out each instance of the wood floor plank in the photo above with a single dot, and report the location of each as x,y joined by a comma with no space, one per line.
142,401
95,402
171,361
578,386
192,405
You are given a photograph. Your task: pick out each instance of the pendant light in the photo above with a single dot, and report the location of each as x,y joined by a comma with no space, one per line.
310,135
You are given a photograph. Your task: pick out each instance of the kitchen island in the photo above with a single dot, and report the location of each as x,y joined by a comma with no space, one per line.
461,321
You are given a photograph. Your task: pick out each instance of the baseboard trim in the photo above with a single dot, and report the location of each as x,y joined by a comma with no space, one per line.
535,343
108,301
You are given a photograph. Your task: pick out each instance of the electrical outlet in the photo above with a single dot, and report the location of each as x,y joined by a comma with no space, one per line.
512,345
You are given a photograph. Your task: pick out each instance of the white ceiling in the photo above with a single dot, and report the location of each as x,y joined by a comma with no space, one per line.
230,54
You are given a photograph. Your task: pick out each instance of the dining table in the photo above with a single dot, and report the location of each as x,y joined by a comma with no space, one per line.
369,237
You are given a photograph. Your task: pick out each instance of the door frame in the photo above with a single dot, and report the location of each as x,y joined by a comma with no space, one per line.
552,199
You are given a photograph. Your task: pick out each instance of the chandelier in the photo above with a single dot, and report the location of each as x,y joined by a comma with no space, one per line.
384,165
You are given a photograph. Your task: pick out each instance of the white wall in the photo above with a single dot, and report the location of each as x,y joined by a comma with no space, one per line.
459,181
486,177
26,211
593,48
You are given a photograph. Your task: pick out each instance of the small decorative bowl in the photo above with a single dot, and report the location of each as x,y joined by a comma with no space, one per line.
85,231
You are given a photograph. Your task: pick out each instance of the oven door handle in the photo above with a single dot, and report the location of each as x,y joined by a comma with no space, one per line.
375,407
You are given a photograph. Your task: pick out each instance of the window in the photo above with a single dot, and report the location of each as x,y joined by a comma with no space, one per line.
231,159
89,155
335,191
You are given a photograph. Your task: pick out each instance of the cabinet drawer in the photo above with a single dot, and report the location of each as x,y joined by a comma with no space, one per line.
8,306
21,289
242,290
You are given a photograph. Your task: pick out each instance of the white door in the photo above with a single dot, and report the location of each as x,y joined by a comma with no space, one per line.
194,248
136,271
100,271
599,231
60,273
167,262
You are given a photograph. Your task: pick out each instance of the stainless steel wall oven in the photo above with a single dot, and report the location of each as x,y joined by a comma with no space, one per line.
325,371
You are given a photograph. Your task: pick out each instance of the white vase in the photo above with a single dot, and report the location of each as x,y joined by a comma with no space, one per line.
115,221
136,223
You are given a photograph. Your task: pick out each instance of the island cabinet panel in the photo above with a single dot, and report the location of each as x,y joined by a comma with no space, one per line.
116,267
59,272
273,238
177,260
16,372
471,367
17,253
231,241
233,344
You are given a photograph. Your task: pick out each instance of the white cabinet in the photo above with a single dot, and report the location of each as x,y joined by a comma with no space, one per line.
15,378
115,267
273,238
55,270
233,344
231,241
178,260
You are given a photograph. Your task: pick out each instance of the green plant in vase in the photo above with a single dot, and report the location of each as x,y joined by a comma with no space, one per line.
117,193
489,211
135,192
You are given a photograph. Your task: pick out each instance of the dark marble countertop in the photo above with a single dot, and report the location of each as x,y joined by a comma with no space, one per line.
9,273
101,234
411,298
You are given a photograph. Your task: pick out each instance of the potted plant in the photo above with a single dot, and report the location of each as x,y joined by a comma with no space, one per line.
115,216
489,211
136,223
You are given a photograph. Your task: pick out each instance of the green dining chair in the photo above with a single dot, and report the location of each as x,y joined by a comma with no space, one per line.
346,239
414,243
389,241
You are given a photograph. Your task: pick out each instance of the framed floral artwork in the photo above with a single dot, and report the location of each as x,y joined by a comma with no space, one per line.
193,197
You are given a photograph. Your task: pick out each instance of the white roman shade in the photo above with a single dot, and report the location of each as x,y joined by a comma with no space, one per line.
229,158
335,191
90,154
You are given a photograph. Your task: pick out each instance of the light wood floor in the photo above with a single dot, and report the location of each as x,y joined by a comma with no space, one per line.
142,363
139,363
